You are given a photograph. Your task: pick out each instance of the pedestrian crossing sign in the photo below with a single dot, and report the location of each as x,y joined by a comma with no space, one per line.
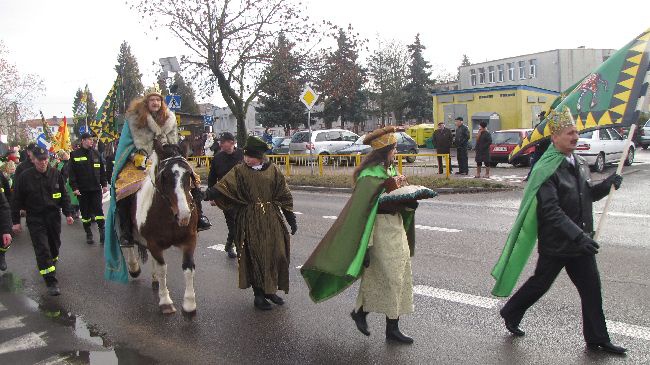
173,102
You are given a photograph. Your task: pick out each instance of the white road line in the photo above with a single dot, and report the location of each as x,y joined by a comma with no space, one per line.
27,342
299,267
626,215
297,213
11,322
440,229
629,330
457,297
218,247
330,217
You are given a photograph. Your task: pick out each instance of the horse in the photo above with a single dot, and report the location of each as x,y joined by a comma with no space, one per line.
165,216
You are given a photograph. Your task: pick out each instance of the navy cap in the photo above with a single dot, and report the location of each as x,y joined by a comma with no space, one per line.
40,153
226,136
86,135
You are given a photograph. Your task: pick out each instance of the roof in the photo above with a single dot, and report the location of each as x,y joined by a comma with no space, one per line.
498,88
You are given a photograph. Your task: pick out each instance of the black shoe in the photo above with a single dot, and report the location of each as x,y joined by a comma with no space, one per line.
3,262
53,290
514,329
230,250
203,224
261,303
102,232
274,298
393,333
89,239
607,347
360,320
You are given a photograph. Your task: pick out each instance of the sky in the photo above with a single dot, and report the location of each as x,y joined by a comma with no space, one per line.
71,43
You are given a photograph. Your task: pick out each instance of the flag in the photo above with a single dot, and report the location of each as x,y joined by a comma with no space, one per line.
104,125
61,140
606,97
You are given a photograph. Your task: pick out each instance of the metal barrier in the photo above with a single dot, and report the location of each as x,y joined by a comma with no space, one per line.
407,164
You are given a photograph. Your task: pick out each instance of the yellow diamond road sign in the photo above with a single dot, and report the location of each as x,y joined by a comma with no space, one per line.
308,97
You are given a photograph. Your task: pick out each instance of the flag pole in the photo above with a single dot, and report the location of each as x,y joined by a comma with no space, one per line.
619,170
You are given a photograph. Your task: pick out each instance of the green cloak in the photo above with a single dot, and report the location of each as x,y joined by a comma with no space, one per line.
337,261
523,234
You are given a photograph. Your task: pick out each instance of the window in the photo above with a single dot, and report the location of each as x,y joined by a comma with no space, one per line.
481,75
615,135
350,137
491,74
300,137
334,136
321,137
472,77
522,70
604,136
511,71
532,68
500,73
587,135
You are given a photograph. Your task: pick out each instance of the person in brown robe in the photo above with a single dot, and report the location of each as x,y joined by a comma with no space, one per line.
258,192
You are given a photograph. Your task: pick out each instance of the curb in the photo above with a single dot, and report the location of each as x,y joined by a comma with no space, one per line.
326,189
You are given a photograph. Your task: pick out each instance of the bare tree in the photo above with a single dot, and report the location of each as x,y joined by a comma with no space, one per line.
229,41
388,69
17,94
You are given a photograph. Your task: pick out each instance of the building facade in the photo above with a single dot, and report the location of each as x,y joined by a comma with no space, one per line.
554,70
503,107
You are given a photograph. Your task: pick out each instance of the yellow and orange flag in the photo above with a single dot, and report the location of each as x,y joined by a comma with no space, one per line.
61,139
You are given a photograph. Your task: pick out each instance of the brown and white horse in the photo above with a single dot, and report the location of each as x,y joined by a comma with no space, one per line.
166,216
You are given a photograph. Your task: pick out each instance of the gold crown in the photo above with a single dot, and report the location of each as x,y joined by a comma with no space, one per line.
153,90
558,120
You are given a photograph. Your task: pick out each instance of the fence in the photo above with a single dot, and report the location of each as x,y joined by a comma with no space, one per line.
407,164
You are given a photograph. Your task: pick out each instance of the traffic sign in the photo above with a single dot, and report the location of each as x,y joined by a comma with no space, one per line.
308,97
173,102
82,129
208,120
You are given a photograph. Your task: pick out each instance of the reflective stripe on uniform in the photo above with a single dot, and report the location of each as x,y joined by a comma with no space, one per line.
56,195
99,218
4,249
86,220
96,165
48,270
84,158
55,259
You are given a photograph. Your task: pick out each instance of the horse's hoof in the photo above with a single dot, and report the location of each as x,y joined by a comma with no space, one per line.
135,274
189,309
167,309
155,285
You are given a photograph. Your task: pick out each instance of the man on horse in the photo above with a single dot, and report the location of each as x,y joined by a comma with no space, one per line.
147,118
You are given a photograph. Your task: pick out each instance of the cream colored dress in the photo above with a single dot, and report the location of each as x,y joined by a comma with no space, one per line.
387,283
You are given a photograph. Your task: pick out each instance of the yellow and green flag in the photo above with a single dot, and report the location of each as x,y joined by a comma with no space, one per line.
606,97
105,124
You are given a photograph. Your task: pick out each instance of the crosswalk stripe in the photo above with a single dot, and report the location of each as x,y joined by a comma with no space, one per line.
11,322
457,297
629,330
218,247
27,342
330,217
439,229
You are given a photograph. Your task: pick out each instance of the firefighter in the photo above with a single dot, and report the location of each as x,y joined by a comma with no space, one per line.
5,229
88,182
42,194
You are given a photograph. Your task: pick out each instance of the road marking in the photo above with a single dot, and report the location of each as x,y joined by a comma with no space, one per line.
440,229
330,217
11,322
218,247
26,342
628,330
626,215
297,213
457,297
299,267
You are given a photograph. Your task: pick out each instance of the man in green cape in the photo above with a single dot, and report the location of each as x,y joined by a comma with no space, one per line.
557,211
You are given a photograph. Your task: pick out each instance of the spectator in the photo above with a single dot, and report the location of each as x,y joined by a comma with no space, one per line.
461,140
483,142
442,140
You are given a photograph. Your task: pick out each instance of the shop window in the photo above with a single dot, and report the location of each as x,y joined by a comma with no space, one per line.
500,73
511,71
532,68
522,70
491,74
481,75
472,77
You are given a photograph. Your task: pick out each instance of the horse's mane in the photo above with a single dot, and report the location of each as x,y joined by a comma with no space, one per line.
172,150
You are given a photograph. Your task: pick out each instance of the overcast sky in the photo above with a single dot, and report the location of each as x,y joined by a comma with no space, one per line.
71,43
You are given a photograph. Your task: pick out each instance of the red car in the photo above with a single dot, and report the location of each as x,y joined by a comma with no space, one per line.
504,141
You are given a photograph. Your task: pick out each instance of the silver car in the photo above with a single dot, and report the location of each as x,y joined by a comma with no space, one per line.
644,136
323,142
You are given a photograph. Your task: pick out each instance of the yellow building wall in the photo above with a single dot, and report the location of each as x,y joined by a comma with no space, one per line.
512,106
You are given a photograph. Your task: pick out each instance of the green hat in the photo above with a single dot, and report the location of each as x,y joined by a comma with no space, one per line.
255,147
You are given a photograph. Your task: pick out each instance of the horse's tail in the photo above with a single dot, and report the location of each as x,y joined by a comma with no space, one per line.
144,256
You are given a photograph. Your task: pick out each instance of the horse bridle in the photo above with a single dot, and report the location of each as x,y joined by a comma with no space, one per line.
162,166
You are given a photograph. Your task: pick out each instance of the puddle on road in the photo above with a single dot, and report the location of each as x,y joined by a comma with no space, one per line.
114,353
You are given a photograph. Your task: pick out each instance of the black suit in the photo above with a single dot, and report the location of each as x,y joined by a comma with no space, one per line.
565,213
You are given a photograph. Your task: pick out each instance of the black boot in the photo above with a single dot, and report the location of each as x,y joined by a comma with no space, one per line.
89,233
393,332
359,318
274,298
126,227
3,262
101,234
230,250
203,223
260,301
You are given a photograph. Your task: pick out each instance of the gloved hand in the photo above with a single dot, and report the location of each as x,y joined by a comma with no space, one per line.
140,161
587,245
613,179
209,194
291,219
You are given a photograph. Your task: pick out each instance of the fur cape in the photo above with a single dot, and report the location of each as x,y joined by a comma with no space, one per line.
143,137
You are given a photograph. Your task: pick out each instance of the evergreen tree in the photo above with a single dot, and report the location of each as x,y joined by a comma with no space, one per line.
185,90
418,90
341,82
127,68
464,62
283,83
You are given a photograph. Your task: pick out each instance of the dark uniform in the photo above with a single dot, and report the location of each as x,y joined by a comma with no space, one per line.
87,174
5,228
565,226
462,139
43,196
221,164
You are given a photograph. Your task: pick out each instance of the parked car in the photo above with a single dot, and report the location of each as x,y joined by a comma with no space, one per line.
323,142
504,141
281,147
644,136
405,145
603,146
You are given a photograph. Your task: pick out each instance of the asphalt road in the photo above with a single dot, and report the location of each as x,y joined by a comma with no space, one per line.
455,319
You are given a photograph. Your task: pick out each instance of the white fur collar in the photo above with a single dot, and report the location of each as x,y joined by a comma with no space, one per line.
157,130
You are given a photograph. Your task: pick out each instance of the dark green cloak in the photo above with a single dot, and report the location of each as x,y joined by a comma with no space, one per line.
337,261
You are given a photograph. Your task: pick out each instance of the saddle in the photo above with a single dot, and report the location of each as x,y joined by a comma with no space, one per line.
129,180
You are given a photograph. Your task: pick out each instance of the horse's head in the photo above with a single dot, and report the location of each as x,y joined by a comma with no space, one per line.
174,180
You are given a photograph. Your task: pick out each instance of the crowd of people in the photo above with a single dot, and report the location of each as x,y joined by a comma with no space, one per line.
370,241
